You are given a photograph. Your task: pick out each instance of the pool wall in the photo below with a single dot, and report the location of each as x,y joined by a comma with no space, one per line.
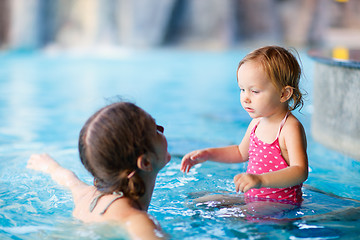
336,117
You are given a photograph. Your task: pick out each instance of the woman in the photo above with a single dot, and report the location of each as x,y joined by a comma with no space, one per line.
124,149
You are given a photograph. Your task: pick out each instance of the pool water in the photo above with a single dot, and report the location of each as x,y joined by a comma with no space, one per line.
45,97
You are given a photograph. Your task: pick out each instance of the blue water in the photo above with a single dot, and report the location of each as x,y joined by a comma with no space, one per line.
46,97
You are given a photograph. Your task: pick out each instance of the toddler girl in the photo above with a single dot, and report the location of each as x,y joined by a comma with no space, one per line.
275,141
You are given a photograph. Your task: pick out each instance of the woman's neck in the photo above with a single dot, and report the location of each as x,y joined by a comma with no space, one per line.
144,201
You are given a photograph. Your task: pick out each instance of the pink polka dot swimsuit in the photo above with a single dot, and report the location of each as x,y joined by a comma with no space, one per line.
263,158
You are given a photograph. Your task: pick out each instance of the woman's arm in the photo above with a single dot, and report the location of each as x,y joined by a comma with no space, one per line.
65,177
138,223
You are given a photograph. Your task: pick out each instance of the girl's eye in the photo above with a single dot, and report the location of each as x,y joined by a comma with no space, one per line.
242,90
254,91
160,128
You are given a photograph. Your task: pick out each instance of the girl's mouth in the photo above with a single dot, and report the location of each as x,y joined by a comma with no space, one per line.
250,110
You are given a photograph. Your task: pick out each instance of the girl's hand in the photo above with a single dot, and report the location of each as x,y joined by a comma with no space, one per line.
192,159
245,181
42,162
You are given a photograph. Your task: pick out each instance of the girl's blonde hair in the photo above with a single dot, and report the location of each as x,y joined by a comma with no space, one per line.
282,68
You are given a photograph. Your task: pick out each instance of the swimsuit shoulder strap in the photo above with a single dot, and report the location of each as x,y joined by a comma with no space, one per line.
96,199
282,124
254,128
119,195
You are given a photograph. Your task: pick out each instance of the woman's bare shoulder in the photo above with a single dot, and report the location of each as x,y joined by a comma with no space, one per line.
138,223
141,225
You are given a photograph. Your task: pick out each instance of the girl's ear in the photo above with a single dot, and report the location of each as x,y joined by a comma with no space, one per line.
286,93
144,163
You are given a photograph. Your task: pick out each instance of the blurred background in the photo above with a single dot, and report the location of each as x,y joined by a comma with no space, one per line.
210,24
60,60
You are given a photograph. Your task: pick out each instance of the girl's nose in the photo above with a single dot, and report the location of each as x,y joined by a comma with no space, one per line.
244,97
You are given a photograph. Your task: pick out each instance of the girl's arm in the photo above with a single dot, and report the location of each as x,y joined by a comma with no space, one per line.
230,154
294,139
45,163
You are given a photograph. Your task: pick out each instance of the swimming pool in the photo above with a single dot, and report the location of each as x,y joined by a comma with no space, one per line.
46,97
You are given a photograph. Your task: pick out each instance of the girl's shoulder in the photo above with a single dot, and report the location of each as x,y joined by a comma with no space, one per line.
292,123
292,128
253,123
251,126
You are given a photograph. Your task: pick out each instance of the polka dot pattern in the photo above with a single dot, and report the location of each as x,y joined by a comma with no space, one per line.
263,158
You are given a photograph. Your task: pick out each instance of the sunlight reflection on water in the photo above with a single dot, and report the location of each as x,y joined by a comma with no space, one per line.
45,99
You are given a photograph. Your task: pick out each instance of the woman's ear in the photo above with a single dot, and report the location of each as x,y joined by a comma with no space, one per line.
144,163
286,93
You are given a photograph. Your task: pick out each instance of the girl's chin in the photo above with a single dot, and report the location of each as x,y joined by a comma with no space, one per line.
251,113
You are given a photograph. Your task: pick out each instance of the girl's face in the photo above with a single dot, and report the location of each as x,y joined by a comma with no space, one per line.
258,95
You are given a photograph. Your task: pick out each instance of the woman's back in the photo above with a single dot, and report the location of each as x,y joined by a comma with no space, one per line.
93,206
118,210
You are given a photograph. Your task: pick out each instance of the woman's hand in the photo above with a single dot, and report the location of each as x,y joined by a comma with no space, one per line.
42,162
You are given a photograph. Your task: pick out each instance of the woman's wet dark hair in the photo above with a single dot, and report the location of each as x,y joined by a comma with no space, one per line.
110,143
